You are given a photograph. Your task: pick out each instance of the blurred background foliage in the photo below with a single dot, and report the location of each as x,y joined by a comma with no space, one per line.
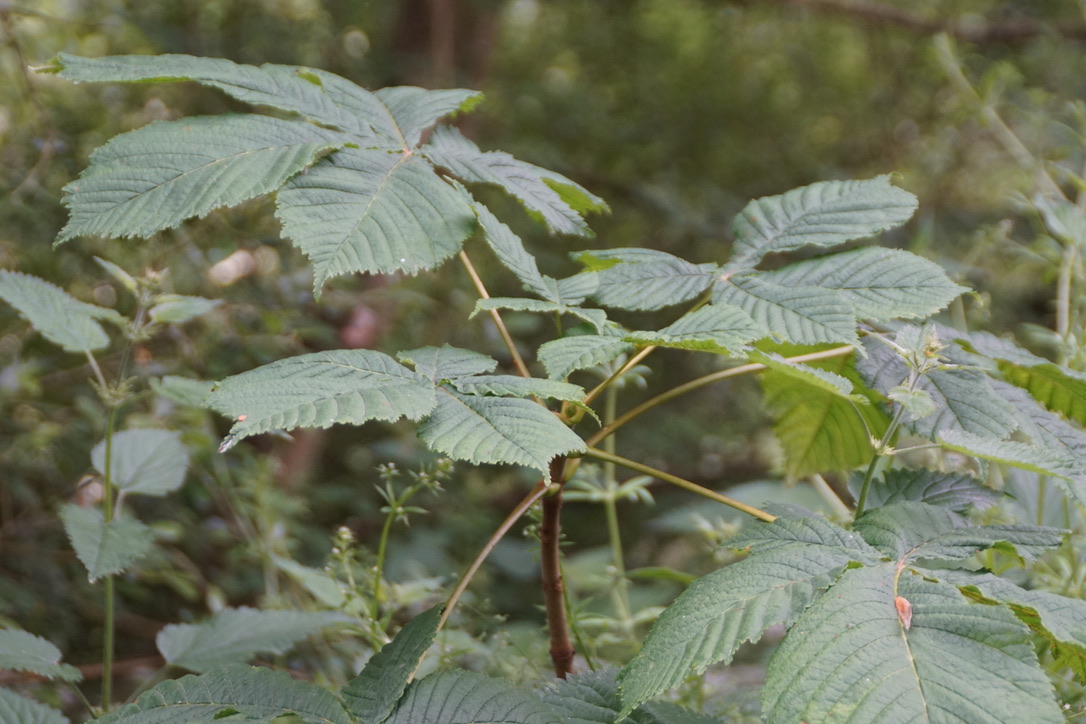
675,111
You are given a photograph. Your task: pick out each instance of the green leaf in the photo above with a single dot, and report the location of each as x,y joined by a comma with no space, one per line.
372,211
811,530
372,695
320,390
416,109
562,357
851,658
880,284
802,315
257,694
21,710
149,462
909,530
540,191
324,587
819,428
464,697
822,214
59,317
510,251
1050,431
954,491
1041,460
596,317
646,279
722,610
235,635
183,390
515,386
816,377
105,548
23,651
176,309
1058,388
719,328
497,430
157,176
592,698
447,363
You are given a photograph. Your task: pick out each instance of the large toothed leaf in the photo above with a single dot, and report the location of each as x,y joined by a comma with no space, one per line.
373,694
416,109
255,694
645,279
719,328
235,635
149,462
320,390
954,491
104,548
561,357
802,315
464,697
558,201
23,651
497,430
722,610
447,362
822,214
858,659
372,211
21,710
155,177
58,316
880,284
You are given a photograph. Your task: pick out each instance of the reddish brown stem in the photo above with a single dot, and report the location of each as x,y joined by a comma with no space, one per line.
550,532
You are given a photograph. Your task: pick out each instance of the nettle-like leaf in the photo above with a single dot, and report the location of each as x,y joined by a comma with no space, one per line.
372,695
593,698
23,651
105,548
148,462
21,710
58,316
235,635
1041,460
880,284
801,315
822,214
253,693
885,640
320,390
954,491
794,560
561,357
464,697
719,328
645,279
553,198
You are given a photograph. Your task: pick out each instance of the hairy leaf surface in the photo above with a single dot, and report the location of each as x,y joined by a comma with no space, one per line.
149,462
802,315
645,279
235,635
510,251
23,651
21,710
464,697
104,548
955,491
827,213
413,110
566,355
255,693
59,317
447,363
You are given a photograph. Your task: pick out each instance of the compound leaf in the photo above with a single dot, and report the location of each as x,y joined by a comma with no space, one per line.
561,357
235,635
319,390
150,462
23,651
59,317
802,315
464,697
104,548
22,710
822,214
645,279
257,694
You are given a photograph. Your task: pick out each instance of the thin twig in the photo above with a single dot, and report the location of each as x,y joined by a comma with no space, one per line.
507,338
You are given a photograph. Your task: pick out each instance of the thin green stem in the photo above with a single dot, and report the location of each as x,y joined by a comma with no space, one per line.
507,338
108,637
620,593
379,569
1064,286
880,451
680,482
630,364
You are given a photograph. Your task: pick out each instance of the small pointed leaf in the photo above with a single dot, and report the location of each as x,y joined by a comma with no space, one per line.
177,309
149,462
561,357
105,548
511,252
646,279
719,328
596,317
802,315
58,316
515,386
23,651
464,697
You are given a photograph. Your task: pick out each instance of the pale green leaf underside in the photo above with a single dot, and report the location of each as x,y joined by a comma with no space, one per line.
59,317
23,651
322,389
447,362
21,710
856,663
149,462
373,211
880,284
510,251
104,548
954,491
561,357
802,315
531,185
416,109
157,176
719,328
646,279
1041,460
822,214
464,697
497,430
373,694
235,635
177,308
515,386
256,693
